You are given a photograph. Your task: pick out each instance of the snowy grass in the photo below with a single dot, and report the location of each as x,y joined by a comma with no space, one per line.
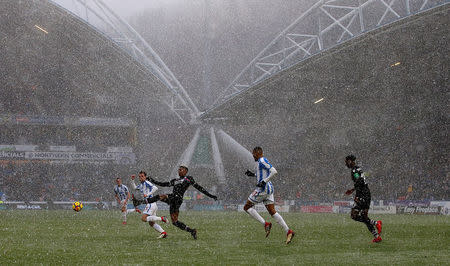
226,238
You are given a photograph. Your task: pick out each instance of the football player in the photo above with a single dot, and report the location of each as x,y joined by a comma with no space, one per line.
264,193
149,214
175,199
122,195
362,199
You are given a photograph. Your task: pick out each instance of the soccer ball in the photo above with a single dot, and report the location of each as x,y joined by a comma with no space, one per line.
77,206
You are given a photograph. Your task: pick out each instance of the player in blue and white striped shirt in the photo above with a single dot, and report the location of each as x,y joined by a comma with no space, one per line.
264,193
122,195
147,190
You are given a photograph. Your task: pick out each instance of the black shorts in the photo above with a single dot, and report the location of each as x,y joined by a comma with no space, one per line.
363,203
174,203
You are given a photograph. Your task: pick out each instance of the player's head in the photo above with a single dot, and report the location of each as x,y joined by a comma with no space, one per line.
257,153
350,161
119,181
182,170
142,176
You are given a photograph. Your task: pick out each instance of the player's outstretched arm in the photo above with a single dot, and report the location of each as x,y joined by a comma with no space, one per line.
163,184
204,191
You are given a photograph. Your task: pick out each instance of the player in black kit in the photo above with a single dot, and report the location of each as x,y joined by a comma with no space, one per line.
362,199
175,199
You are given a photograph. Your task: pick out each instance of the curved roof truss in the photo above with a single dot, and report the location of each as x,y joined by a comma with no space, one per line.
325,25
100,16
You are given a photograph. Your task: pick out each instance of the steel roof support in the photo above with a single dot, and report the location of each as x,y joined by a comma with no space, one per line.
337,22
102,18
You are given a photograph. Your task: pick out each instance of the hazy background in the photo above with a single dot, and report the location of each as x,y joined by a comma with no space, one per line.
207,43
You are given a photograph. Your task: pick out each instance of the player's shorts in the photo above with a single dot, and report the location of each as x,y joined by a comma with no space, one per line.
150,209
363,203
261,196
174,203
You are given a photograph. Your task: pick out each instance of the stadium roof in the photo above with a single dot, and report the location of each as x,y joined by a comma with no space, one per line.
381,96
55,64
314,26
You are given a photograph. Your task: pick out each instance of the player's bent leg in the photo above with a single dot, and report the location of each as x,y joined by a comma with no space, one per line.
370,225
153,199
356,215
280,221
123,208
124,217
289,233
253,213
182,226
154,218
271,209
175,222
150,211
174,216
248,207
130,210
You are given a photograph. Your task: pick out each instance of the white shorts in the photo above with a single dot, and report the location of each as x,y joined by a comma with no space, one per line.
150,209
257,197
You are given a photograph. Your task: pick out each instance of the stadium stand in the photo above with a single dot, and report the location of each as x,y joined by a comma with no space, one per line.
68,90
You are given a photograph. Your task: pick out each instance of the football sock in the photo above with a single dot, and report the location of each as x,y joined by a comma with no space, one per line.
371,229
281,221
158,228
124,216
181,225
153,218
256,215
370,225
